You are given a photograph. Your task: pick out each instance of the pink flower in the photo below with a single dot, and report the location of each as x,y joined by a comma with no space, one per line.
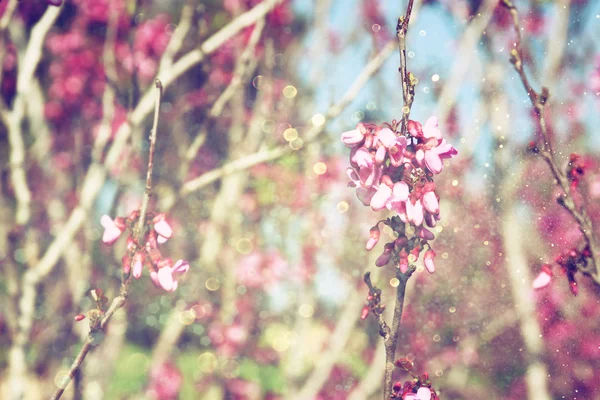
423,393
430,203
428,260
354,137
430,129
381,197
112,229
166,276
162,227
387,137
414,212
361,157
544,278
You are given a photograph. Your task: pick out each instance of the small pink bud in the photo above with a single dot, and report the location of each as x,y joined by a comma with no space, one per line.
425,233
126,263
404,363
403,265
544,278
415,128
364,313
374,238
428,260
385,257
574,288
138,264
79,317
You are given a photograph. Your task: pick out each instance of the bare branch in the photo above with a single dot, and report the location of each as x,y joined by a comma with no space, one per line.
538,101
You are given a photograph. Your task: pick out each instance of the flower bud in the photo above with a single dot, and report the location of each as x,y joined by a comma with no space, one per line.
364,313
385,257
428,260
375,233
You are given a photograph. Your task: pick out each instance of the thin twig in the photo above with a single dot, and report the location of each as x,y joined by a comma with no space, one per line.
148,191
100,324
538,101
408,84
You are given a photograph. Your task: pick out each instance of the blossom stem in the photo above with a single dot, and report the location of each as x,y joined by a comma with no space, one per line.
148,192
408,86
538,101
391,339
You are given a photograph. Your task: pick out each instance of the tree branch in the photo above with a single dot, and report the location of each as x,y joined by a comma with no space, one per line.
538,101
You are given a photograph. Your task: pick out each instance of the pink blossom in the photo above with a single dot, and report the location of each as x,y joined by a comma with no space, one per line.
396,152
430,203
352,138
430,129
423,393
387,137
111,230
544,277
428,260
431,154
414,212
362,157
381,197
167,275
162,227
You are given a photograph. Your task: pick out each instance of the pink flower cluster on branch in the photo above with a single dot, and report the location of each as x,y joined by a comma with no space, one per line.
395,172
419,388
163,272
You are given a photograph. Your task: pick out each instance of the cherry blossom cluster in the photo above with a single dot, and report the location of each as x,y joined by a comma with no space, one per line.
419,388
395,172
142,254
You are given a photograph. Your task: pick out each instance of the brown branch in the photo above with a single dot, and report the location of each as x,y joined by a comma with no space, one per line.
408,82
538,101
148,191
99,324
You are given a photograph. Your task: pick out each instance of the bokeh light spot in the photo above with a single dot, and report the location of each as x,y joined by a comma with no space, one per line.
320,168
207,362
297,144
318,119
212,284
244,246
306,310
342,206
290,91
290,134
